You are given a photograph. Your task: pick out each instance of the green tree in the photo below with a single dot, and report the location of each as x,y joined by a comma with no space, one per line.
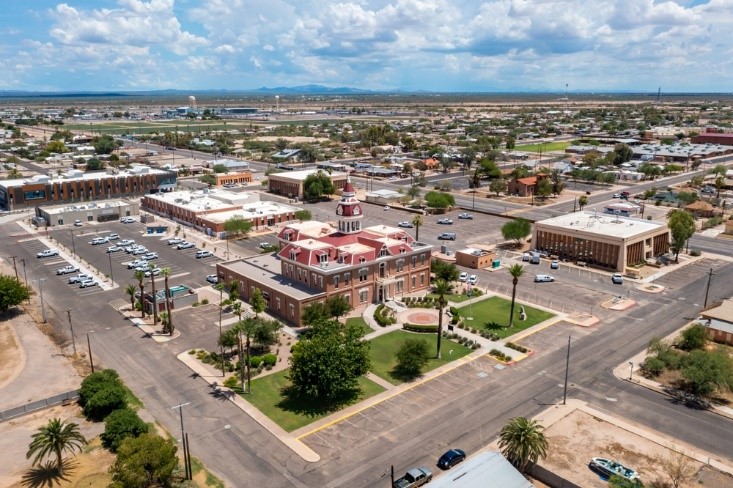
617,481
119,425
151,267
130,290
687,197
326,365
220,168
582,201
303,215
147,460
315,312
168,323
516,271
621,154
417,221
441,288
12,292
543,188
257,302
719,170
442,270
498,185
414,192
681,226
53,439
94,164
489,169
140,277
309,154
281,144
719,185
522,442
412,357
439,200
705,372
516,229
104,144
55,147
693,337
102,393
237,225
317,185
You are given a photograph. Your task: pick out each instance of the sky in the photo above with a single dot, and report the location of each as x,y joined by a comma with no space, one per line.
411,45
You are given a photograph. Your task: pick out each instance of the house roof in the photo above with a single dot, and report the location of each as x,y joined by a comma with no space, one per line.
699,205
723,312
529,180
475,472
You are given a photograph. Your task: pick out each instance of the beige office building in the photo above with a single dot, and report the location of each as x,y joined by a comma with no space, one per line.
602,240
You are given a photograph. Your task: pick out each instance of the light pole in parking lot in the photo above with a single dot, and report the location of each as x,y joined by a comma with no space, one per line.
111,276
73,245
631,371
40,292
73,339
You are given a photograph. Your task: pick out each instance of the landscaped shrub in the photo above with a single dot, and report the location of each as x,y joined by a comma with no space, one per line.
694,252
192,351
270,360
652,366
231,382
119,425
255,361
453,311
475,345
516,347
454,320
420,328
102,393
205,301
499,355
693,337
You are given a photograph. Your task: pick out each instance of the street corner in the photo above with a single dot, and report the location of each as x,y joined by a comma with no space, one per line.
618,303
155,334
582,319
651,288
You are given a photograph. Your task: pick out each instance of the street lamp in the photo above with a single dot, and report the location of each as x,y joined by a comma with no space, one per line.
631,370
111,276
183,439
73,245
40,291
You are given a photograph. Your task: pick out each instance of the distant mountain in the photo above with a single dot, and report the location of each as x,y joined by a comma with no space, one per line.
314,90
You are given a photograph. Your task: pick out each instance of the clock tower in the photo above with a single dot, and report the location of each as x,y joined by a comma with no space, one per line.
349,210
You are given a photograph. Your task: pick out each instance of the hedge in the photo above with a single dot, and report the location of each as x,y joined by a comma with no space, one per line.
420,328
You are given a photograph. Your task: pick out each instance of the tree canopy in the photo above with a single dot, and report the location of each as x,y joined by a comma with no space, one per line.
119,425
104,144
317,185
681,226
102,393
53,439
447,272
237,225
516,229
327,364
303,215
12,292
522,442
412,357
147,460
440,200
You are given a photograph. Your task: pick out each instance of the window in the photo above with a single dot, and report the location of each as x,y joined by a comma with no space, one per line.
292,255
34,195
291,309
320,282
336,281
422,279
277,303
402,250
363,274
400,286
413,281
414,261
363,296
323,258
422,259
383,252
362,259
400,265
347,278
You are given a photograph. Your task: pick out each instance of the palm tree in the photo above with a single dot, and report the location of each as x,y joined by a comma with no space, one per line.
522,442
516,270
442,288
582,201
166,272
140,277
417,222
151,267
55,438
130,290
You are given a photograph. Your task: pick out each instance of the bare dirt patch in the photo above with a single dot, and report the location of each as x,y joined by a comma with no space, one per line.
578,437
13,358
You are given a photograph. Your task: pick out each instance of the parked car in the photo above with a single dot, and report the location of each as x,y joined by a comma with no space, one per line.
140,250
87,283
174,240
204,254
47,253
99,240
263,245
79,278
447,236
114,249
149,256
472,280
185,245
127,220
136,263
445,221
126,242
385,208
67,269
155,272
543,278
113,237
414,478
466,216
617,279
708,189
77,223
526,256
407,225
451,457
616,195
463,276
535,258
213,279
555,264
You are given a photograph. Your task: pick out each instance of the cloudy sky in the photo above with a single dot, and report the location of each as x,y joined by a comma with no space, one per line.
436,45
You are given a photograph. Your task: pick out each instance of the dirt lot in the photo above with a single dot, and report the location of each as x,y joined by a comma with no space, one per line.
576,438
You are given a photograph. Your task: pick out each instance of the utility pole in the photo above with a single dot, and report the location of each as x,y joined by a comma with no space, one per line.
111,276
89,348
15,267
25,276
221,345
183,437
707,288
40,291
73,339
73,246
567,369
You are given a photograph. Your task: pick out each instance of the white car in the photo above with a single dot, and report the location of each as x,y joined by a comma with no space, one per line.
185,245
136,263
113,237
174,240
463,277
472,280
405,224
139,250
213,279
126,242
87,283
79,278
99,240
47,253
466,216
445,221
155,271
67,269
114,249
127,220
543,279
150,256
77,223
204,254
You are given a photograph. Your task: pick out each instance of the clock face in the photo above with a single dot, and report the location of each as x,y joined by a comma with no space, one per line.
357,211
339,210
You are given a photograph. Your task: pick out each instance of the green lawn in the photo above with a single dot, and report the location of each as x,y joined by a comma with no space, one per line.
384,348
495,310
361,323
452,297
544,147
290,416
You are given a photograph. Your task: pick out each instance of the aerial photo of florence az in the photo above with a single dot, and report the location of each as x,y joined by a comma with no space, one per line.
366,243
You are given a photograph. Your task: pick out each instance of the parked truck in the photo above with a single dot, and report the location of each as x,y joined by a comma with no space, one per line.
413,478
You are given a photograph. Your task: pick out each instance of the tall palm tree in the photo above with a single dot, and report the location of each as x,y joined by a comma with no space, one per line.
522,442
151,267
442,288
166,272
130,290
140,277
516,270
417,222
53,439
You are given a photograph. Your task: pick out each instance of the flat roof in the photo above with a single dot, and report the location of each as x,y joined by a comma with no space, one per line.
476,471
57,209
723,312
303,174
252,210
265,269
602,224
206,199
77,175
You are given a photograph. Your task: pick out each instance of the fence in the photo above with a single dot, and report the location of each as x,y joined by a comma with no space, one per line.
62,398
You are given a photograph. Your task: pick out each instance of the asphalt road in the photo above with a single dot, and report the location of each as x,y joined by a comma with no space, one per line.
358,452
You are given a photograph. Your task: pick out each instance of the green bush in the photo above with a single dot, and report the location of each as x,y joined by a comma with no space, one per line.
102,393
694,252
454,311
269,360
412,357
255,361
420,328
516,347
205,301
119,425
231,382
693,337
652,366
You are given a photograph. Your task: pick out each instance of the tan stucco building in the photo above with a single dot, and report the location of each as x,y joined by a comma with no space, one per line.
603,240
290,183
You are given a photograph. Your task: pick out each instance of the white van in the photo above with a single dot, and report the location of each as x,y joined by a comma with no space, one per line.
543,279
